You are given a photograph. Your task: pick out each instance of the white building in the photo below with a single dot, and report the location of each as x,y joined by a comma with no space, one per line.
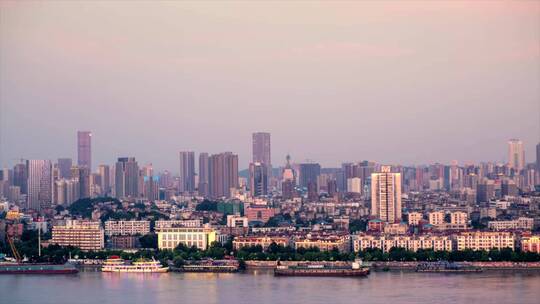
386,195
127,228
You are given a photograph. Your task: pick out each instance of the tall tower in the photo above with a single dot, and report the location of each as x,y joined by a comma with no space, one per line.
64,167
104,173
223,174
84,149
261,150
126,178
39,184
203,174
538,157
386,195
258,179
516,155
187,171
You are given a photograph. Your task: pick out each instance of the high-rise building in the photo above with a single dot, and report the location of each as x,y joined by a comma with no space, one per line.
187,171
20,177
39,184
386,195
258,179
104,173
203,174
67,191
261,150
82,174
126,177
64,167
309,173
84,149
354,185
538,157
223,174
151,190
516,155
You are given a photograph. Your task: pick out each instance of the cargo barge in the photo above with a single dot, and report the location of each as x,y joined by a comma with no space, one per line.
321,270
446,267
209,266
27,268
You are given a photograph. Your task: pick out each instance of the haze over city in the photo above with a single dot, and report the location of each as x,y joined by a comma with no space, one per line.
397,82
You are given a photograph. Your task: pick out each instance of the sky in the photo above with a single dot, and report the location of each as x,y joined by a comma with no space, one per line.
393,82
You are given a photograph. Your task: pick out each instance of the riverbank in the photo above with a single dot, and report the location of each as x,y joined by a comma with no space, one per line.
528,266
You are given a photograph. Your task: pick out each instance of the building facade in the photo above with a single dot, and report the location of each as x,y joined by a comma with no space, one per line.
386,195
86,235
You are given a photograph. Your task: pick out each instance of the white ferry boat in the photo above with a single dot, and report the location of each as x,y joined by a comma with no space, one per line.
117,264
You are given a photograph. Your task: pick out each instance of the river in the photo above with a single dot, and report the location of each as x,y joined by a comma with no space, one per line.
260,286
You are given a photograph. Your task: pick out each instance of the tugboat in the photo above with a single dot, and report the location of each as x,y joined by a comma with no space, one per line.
322,270
446,267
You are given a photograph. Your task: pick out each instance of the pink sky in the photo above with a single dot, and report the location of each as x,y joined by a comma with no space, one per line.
395,82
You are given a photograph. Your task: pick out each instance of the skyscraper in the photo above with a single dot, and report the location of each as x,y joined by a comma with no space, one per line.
104,173
516,155
64,167
386,195
82,174
187,171
223,174
261,150
39,184
258,179
84,149
20,177
126,177
203,174
538,156
309,173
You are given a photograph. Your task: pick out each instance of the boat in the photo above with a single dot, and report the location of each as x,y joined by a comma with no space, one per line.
447,267
34,268
117,264
19,266
322,270
209,265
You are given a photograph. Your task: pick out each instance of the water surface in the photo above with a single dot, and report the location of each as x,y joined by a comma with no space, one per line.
263,287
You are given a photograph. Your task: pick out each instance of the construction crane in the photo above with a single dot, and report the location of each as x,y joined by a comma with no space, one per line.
16,254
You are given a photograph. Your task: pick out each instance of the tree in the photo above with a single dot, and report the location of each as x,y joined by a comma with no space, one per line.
149,240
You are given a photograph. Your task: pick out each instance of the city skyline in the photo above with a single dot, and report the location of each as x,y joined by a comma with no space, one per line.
201,77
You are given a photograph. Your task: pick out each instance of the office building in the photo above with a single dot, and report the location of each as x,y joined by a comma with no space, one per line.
105,179
516,155
126,177
64,168
261,150
84,149
309,173
187,171
40,184
258,179
223,174
386,195
204,174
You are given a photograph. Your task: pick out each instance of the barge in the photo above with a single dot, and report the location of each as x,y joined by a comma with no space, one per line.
31,268
447,267
321,270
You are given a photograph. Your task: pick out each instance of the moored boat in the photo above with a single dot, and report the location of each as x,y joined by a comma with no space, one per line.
32,268
447,267
117,264
322,270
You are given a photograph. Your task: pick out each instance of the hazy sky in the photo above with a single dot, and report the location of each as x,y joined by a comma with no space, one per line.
394,82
